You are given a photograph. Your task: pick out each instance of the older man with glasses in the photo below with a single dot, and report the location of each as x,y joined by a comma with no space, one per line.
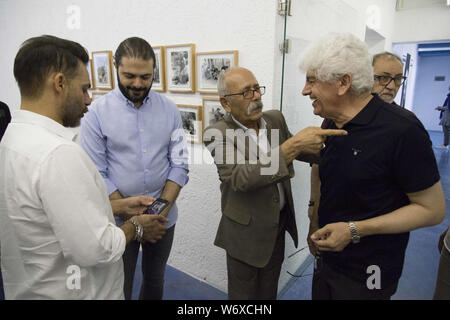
257,206
388,75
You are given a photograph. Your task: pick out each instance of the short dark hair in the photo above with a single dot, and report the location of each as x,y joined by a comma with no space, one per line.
386,54
134,47
39,56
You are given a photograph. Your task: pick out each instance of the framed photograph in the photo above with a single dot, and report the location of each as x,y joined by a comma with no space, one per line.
159,76
97,94
102,70
180,68
209,65
89,69
212,111
191,116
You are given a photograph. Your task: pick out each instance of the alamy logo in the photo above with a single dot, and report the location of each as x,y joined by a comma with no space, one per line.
374,281
73,281
74,19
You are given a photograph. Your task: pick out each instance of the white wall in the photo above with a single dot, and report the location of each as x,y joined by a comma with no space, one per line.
422,24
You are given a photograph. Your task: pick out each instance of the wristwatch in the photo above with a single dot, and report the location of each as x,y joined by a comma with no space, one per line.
139,229
354,232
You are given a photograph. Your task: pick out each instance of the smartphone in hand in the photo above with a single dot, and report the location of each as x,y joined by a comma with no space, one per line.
157,206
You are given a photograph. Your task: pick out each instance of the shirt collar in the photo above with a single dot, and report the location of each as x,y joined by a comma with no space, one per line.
29,117
366,115
262,123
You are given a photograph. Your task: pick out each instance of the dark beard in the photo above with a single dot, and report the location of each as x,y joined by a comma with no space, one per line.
71,116
124,91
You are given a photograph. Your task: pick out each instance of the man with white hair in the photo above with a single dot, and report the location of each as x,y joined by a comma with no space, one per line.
377,183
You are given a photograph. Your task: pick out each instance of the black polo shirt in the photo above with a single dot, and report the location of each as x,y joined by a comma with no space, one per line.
367,173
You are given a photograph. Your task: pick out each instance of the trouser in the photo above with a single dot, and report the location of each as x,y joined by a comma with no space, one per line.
329,284
246,282
442,291
446,130
154,259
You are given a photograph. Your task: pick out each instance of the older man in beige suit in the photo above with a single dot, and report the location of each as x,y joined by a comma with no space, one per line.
253,152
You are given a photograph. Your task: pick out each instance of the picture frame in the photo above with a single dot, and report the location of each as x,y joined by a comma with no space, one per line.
90,71
212,111
97,94
102,75
159,75
191,116
209,65
180,60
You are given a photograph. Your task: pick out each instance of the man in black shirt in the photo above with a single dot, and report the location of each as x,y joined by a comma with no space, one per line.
377,183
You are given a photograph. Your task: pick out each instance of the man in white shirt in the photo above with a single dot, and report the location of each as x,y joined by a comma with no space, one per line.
57,232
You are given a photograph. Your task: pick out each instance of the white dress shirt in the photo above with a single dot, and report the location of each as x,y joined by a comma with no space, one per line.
57,232
262,141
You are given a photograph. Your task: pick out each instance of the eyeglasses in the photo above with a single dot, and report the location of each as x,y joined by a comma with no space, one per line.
385,80
317,264
249,93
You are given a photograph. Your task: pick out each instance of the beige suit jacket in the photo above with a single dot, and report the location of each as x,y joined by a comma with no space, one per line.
250,200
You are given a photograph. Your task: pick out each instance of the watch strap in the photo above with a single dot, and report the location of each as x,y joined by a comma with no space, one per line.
354,232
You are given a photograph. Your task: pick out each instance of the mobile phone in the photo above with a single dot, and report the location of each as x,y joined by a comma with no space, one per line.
157,206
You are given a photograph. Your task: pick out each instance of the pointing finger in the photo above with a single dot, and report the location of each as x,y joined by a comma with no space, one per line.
333,132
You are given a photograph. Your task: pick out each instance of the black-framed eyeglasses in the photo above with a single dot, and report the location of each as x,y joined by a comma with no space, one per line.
249,93
385,80
317,264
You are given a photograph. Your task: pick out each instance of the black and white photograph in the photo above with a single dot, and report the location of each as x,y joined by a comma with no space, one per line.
180,72
191,118
212,111
209,66
159,72
89,69
102,70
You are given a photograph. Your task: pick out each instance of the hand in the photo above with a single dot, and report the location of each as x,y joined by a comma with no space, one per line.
441,240
126,208
332,237
153,225
311,139
312,247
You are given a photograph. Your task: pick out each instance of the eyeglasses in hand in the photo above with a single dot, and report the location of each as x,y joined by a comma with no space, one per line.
317,264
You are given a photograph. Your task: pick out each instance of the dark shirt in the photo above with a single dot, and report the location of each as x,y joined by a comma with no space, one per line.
5,118
386,154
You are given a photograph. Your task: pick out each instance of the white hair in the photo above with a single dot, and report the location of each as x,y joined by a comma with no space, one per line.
337,54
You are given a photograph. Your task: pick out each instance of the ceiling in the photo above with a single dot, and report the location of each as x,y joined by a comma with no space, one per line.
419,4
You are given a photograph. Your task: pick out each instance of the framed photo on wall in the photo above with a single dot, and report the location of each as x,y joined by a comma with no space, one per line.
159,75
97,94
89,69
180,67
191,116
212,111
209,65
102,70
